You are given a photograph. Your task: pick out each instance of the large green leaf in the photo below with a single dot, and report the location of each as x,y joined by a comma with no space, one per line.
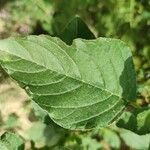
76,28
82,86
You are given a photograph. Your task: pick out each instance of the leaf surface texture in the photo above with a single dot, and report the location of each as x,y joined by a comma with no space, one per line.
82,86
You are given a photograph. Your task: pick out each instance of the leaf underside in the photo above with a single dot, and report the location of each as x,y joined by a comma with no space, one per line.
82,86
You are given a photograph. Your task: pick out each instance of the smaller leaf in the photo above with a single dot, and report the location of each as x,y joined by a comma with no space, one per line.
138,121
76,28
44,135
135,141
11,141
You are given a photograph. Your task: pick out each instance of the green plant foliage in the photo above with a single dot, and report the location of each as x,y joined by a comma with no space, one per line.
135,141
44,135
70,82
76,28
11,141
127,20
90,144
138,121
111,137
83,140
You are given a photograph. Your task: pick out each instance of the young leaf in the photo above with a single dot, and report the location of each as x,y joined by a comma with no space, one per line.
76,28
11,141
82,86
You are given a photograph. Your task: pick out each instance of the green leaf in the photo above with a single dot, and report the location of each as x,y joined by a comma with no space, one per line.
135,141
44,135
138,121
82,86
76,28
43,116
111,138
11,141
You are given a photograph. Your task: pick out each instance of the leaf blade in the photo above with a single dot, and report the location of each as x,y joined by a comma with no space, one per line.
79,85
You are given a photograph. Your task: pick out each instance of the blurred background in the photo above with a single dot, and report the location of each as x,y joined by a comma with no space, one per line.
128,20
